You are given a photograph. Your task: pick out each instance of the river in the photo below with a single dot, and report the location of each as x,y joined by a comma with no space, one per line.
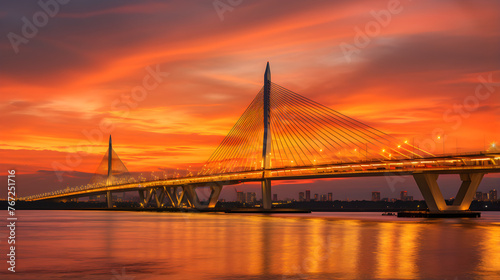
150,245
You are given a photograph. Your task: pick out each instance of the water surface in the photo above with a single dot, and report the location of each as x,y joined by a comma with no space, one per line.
144,245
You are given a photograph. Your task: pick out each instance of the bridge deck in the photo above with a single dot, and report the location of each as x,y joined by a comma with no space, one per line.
453,164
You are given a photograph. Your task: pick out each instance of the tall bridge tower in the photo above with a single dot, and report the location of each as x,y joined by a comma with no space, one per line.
109,198
266,149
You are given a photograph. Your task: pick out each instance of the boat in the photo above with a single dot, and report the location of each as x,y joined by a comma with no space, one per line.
388,214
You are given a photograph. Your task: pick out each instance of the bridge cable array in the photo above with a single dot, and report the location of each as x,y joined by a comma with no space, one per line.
303,133
119,172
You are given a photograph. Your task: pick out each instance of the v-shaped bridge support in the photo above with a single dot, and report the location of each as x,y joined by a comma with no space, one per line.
178,196
427,183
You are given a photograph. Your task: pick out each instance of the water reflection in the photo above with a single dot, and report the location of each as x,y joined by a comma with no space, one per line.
95,245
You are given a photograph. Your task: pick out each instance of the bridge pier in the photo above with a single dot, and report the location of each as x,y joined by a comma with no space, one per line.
192,197
214,195
159,196
171,195
188,195
145,196
266,194
109,199
427,183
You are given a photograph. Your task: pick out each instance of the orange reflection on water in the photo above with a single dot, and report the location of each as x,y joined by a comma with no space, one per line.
90,245
490,246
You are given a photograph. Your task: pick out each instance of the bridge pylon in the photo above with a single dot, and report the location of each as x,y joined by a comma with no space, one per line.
427,183
266,148
110,171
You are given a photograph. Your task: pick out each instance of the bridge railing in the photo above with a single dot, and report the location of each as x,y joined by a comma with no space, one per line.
448,161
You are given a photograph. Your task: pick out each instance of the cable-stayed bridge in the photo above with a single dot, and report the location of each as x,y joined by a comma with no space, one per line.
283,135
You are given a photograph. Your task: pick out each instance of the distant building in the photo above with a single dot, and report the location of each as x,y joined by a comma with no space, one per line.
251,197
375,196
404,194
385,199
485,197
323,197
275,197
240,197
308,195
479,196
330,196
409,198
301,196
493,195
316,197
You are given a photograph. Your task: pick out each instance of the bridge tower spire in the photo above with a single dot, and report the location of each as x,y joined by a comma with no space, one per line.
266,149
109,198
110,158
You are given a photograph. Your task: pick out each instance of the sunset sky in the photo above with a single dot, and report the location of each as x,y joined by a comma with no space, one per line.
413,69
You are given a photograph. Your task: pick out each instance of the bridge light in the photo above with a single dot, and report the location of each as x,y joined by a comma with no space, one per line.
406,141
320,150
383,150
355,150
439,137
399,146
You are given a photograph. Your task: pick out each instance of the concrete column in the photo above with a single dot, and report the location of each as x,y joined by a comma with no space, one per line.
159,196
192,196
214,196
141,198
465,195
170,194
266,194
109,199
427,183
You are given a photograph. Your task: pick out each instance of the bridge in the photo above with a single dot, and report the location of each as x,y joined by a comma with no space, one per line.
285,136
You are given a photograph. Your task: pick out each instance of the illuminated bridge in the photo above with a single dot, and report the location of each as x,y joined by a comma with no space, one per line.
282,136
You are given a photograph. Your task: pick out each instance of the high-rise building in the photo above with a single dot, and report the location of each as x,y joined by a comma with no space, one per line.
275,197
240,197
323,197
493,195
485,197
308,195
479,196
404,194
251,197
330,196
301,196
375,196
316,197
